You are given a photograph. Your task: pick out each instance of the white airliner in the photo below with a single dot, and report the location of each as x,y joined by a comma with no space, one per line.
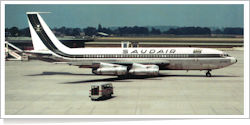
123,61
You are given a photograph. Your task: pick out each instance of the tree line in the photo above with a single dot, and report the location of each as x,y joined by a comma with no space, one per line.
128,31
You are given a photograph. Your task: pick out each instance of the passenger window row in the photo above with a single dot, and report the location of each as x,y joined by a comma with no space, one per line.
136,56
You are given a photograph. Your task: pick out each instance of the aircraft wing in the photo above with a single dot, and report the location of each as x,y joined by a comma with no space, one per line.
96,64
158,63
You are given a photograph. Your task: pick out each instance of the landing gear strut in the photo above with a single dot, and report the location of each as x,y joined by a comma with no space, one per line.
208,74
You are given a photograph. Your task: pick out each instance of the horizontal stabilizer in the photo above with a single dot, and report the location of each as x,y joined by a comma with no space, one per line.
38,52
36,12
62,63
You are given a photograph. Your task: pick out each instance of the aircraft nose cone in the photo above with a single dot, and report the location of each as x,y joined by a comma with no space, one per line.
233,60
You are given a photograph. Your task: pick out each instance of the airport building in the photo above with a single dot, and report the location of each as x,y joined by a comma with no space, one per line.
25,43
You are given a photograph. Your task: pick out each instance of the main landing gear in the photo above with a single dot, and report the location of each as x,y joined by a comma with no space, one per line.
208,74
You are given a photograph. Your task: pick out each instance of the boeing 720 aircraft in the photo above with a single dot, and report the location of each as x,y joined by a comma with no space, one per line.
123,61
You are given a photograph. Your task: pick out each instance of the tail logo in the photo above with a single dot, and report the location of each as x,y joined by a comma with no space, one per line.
38,28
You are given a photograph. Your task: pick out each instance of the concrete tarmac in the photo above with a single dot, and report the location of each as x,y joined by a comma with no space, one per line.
41,88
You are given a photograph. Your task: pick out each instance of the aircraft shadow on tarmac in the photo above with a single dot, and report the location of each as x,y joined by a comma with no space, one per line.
59,73
140,77
114,79
201,76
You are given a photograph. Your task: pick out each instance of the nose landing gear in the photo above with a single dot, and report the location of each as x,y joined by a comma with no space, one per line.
208,74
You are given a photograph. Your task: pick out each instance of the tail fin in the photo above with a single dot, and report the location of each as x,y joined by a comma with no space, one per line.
43,38
36,41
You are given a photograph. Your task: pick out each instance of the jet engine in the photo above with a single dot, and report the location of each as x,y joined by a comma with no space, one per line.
110,69
139,69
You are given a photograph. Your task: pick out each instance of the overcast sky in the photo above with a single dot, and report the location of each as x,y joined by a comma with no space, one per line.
129,15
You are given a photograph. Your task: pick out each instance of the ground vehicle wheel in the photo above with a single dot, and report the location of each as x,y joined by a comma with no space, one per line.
208,74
